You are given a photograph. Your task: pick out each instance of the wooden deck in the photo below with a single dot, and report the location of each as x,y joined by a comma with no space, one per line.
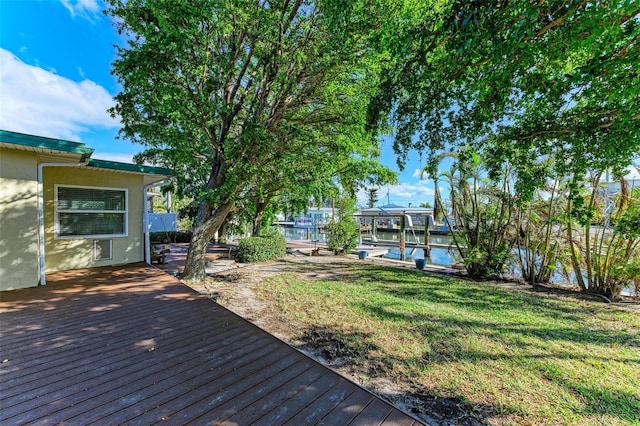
133,345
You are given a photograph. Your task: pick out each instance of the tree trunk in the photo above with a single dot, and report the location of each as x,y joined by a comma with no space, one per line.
207,223
257,219
437,205
574,256
224,228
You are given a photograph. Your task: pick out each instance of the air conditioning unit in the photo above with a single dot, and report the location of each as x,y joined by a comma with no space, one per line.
102,249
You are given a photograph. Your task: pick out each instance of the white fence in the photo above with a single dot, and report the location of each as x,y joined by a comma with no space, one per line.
162,222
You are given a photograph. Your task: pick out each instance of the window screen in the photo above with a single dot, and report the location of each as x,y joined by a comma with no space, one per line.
83,211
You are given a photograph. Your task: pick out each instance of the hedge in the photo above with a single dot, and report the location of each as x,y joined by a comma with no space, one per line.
171,236
259,249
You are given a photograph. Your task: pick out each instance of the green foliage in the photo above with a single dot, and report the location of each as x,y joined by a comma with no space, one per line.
518,81
606,258
482,209
372,197
541,236
171,236
543,91
248,102
628,224
343,232
270,245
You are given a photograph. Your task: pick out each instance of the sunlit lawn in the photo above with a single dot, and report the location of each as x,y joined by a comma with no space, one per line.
515,357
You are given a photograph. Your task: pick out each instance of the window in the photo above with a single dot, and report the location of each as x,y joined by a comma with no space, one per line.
90,212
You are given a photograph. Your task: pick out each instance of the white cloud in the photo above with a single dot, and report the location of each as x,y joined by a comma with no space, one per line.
411,191
86,9
418,173
634,173
40,102
402,194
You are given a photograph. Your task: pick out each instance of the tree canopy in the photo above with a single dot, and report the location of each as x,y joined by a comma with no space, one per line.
242,97
256,101
536,84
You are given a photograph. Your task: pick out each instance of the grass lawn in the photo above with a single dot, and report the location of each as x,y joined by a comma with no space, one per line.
513,357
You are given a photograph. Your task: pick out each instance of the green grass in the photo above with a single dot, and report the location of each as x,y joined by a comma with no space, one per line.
512,357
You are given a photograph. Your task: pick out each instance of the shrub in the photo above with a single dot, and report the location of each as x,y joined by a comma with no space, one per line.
605,259
343,232
171,236
483,209
270,245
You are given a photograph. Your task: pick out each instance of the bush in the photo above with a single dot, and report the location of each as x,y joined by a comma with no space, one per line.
171,236
268,246
343,231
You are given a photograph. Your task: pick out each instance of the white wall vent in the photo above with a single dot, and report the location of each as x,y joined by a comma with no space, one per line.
102,249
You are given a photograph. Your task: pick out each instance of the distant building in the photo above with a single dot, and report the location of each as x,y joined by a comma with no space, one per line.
316,217
389,216
611,187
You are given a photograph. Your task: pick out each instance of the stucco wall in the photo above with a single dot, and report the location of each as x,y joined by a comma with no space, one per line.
63,254
18,219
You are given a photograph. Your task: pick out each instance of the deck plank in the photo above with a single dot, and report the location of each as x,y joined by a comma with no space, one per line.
168,392
347,410
123,378
216,389
249,406
287,401
72,362
373,414
313,412
133,345
216,407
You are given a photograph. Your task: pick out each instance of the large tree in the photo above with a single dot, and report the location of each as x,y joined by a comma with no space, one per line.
519,80
223,91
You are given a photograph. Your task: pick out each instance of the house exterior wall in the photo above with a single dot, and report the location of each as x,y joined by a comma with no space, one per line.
18,219
73,253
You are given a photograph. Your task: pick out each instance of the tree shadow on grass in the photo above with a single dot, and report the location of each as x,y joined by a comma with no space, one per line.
337,348
553,320
411,283
603,402
443,337
360,351
620,404
509,334
479,300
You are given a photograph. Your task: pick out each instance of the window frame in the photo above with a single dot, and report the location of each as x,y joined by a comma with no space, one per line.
57,211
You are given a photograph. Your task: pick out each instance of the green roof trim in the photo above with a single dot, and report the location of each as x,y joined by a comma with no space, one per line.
45,143
126,167
60,145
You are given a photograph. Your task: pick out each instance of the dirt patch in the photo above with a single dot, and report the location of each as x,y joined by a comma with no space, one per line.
236,289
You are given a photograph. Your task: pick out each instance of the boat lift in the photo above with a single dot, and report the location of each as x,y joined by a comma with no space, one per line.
406,223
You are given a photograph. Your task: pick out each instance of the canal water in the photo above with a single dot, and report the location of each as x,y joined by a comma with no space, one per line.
438,256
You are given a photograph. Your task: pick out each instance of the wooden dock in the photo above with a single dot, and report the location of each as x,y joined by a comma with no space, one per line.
407,244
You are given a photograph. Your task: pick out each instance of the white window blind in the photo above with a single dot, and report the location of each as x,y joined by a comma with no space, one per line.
90,212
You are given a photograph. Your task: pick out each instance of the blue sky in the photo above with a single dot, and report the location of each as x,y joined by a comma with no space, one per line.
55,81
